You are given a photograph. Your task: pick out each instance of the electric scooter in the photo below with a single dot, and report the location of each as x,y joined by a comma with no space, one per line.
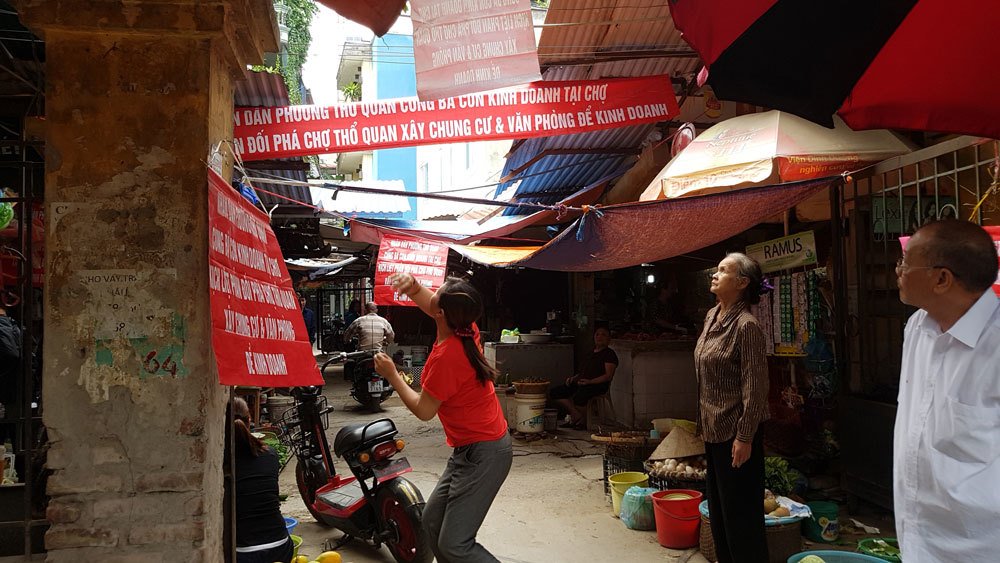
375,504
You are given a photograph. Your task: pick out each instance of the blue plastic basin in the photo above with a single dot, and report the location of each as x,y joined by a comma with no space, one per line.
829,556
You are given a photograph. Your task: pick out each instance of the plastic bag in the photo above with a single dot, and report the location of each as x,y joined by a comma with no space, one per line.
637,508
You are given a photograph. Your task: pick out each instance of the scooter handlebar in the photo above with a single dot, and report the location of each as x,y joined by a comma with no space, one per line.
345,356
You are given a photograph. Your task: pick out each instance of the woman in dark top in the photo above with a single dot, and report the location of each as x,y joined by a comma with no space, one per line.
593,380
731,367
261,536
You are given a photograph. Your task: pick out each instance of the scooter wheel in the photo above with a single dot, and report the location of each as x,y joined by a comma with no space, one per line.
308,481
399,509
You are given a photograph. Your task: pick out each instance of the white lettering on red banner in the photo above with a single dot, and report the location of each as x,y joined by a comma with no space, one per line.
425,261
536,110
465,46
258,333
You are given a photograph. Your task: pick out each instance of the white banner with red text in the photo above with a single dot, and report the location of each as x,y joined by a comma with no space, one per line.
466,46
539,109
258,334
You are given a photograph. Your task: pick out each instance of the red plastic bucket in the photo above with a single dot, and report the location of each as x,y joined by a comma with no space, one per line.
677,517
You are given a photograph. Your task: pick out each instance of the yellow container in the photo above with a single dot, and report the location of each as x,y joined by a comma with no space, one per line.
296,542
622,482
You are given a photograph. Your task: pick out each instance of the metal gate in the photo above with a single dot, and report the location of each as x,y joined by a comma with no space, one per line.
954,179
333,304
23,504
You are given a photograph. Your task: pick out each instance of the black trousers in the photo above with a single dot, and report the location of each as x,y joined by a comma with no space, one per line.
736,503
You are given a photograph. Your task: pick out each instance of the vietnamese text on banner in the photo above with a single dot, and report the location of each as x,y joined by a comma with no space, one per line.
426,261
258,334
538,109
466,46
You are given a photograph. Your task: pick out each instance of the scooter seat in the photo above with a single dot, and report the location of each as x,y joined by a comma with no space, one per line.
349,437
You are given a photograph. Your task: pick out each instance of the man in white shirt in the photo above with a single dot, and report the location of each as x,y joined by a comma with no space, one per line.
946,454
373,332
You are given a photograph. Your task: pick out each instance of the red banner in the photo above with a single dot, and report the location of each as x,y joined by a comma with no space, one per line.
539,109
467,46
426,261
258,333
995,233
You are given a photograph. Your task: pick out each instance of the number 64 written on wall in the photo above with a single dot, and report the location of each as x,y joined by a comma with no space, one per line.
154,365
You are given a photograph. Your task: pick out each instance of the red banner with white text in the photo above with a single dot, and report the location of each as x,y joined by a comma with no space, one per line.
426,261
258,334
539,109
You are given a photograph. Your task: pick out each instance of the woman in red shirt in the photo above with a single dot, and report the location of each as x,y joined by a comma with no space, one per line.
457,386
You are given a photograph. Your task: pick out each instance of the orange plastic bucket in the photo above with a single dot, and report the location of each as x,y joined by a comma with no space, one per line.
677,517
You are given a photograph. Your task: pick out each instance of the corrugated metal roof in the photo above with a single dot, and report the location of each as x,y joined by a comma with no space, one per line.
569,173
358,202
606,27
260,89
614,28
267,89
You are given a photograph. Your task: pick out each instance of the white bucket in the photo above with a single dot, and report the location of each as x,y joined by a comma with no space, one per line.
530,413
277,405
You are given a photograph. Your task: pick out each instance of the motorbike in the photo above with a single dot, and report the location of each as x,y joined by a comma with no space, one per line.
367,387
332,339
375,503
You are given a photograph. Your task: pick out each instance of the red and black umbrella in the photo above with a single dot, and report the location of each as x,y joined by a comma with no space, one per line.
927,65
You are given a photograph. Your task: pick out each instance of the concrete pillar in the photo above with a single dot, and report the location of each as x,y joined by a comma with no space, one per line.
137,94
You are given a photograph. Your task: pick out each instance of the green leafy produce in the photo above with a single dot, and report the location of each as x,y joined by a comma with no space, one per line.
778,476
277,446
883,548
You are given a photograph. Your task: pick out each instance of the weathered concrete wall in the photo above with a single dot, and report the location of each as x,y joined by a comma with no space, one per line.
132,404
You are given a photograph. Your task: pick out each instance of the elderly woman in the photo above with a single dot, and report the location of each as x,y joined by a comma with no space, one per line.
732,402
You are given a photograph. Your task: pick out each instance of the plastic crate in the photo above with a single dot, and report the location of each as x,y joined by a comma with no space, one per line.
624,457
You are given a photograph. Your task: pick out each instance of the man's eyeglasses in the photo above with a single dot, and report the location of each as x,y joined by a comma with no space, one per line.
903,267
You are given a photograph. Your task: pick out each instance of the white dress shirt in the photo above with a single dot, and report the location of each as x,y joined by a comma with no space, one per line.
946,454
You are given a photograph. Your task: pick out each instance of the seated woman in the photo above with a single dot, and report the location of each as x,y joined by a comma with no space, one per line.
593,380
261,536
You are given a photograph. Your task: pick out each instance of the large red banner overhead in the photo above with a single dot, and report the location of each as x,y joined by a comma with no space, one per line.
538,109
258,334
465,46
425,261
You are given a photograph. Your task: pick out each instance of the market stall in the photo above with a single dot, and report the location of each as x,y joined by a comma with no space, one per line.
654,379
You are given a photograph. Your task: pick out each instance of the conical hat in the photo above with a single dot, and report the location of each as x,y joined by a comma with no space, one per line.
679,443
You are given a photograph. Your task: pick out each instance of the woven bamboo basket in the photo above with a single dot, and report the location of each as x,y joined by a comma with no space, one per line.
783,541
705,542
531,387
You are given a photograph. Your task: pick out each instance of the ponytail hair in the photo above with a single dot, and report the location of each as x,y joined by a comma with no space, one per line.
462,304
246,442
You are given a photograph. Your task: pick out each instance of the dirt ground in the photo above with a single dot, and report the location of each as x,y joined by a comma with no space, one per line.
551,509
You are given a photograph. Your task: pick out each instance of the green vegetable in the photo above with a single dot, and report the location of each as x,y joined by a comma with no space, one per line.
778,476
812,559
277,446
883,548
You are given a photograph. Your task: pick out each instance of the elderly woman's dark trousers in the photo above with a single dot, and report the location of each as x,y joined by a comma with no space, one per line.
736,503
